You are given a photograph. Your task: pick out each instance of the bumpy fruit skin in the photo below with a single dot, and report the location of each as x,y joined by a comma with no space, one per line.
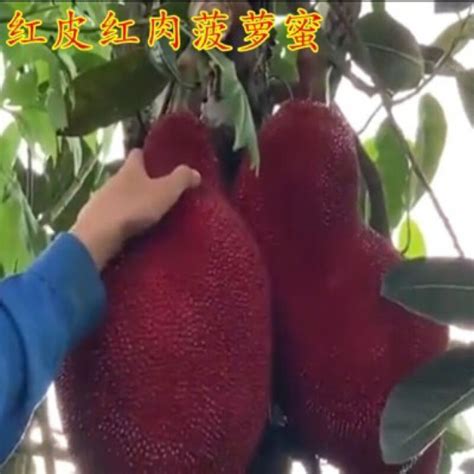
340,346
178,378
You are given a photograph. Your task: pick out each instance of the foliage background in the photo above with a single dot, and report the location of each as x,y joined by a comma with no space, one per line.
45,176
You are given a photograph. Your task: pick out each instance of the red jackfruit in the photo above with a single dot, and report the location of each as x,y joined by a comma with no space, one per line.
178,378
340,346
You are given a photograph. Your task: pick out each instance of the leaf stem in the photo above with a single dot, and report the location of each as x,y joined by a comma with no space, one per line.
369,120
378,210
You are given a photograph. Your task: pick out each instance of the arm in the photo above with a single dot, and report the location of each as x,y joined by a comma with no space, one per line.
45,311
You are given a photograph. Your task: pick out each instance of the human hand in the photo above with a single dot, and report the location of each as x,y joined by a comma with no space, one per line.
128,204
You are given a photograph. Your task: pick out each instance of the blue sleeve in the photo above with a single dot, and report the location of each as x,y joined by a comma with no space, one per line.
44,312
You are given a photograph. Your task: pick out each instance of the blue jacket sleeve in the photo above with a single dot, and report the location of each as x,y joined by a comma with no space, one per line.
44,312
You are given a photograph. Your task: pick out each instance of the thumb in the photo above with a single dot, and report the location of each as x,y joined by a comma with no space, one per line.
184,177
169,189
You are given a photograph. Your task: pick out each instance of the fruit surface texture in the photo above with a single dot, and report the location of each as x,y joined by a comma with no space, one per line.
178,378
340,346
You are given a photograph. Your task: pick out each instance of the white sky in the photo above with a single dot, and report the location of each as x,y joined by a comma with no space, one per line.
453,183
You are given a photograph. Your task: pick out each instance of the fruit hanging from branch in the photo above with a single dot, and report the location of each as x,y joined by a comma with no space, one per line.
178,379
340,346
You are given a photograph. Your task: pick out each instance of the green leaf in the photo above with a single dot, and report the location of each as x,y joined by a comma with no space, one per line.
43,66
91,140
40,184
393,168
9,143
450,7
392,51
15,252
113,91
420,407
441,289
36,127
19,88
364,201
95,10
235,99
458,436
178,8
466,91
74,144
20,55
87,185
456,36
371,149
430,142
410,240
163,57
284,63
56,107
85,60
6,14
236,103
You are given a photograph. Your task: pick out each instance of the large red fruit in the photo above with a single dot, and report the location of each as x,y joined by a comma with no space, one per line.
177,380
340,346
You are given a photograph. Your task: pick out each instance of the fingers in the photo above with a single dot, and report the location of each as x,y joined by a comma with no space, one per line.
134,164
185,177
174,184
161,194
168,190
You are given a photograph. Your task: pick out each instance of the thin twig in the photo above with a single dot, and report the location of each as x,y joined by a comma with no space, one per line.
359,83
70,193
369,120
387,104
345,70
